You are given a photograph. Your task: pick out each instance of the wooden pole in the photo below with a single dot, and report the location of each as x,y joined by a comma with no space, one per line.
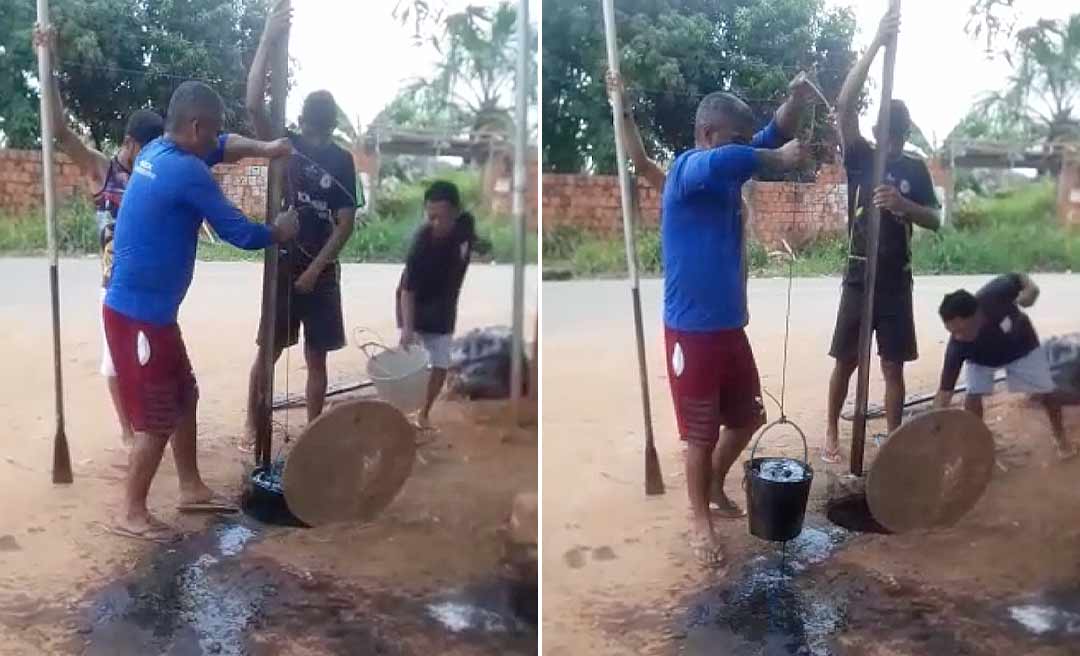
279,74
521,144
873,218
61,469
654,483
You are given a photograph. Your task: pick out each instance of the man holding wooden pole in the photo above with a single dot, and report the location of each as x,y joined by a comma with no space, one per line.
170,192
905,198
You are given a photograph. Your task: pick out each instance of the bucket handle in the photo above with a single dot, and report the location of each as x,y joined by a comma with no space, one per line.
783,420
371,345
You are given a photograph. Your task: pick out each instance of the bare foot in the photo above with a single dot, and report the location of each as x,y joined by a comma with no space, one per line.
704,544
423,422
1066,451
246,444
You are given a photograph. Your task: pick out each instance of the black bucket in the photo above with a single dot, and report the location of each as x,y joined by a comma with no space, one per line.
777,490
264,498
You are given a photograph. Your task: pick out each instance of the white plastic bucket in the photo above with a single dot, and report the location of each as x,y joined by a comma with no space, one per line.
400,376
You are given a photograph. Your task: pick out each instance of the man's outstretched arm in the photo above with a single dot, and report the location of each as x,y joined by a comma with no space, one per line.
643,164
90,161
847,110
277,25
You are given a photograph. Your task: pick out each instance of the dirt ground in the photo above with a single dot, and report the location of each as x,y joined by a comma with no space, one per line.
618,576
441,533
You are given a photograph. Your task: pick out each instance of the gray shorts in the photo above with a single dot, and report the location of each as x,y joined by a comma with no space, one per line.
438,348
1027,375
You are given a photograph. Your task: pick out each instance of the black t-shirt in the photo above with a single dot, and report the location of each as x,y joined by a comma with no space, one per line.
320,180
912,179
1006,335
434,272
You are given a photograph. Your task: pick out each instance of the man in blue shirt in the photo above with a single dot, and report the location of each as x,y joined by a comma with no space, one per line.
170,191
714,380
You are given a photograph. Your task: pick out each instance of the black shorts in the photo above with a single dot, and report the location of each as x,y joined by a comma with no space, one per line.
894,325
319,312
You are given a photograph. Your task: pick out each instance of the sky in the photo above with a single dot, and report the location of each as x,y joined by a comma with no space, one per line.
359,52
940,70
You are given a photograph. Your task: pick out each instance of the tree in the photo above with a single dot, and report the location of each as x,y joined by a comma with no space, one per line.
994,20
117,56
1040,99
475,77
18,100
673,53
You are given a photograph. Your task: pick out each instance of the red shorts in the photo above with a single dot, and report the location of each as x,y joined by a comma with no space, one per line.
714,383
156,383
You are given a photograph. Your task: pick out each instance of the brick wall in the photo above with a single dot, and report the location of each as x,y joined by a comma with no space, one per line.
797,212
21,182
778,210
499,185
1068,201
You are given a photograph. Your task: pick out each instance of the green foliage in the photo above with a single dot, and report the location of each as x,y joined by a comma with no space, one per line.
475,76
385,237
1040,98
116,56
670,59
1013,231
18,101
76,230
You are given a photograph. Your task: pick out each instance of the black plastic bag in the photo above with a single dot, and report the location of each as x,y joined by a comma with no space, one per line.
480,364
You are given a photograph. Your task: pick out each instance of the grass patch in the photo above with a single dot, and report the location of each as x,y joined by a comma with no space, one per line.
1014,231
384,237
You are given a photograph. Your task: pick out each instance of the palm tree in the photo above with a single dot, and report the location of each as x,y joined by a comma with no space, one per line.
479,50
1043,90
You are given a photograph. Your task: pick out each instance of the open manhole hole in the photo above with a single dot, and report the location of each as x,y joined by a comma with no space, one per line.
853,513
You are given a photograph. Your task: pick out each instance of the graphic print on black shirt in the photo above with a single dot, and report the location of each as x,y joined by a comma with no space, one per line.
434,272
1006,335
912,179
317,180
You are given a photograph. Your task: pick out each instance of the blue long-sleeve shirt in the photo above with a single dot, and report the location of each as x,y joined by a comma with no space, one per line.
167,197
702,237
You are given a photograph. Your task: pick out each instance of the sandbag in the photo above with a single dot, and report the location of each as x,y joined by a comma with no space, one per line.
480,364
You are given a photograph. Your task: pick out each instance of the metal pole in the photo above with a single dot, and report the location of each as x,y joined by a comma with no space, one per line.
653,480
61,472
881,152
279,72
521,137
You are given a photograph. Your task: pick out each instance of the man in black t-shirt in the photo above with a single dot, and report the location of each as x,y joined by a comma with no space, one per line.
905,198
427,296
320,182
990,332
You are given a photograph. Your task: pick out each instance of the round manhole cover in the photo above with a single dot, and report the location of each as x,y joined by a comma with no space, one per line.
349,463
931,471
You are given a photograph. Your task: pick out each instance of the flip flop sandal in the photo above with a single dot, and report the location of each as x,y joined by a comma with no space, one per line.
831,458
729,510
214,504
158,533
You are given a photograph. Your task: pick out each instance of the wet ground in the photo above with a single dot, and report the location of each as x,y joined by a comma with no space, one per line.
789,602
205,596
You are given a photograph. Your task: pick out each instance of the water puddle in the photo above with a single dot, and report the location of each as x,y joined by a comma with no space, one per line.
501,607
205,596
772,608
183,601
1051,615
